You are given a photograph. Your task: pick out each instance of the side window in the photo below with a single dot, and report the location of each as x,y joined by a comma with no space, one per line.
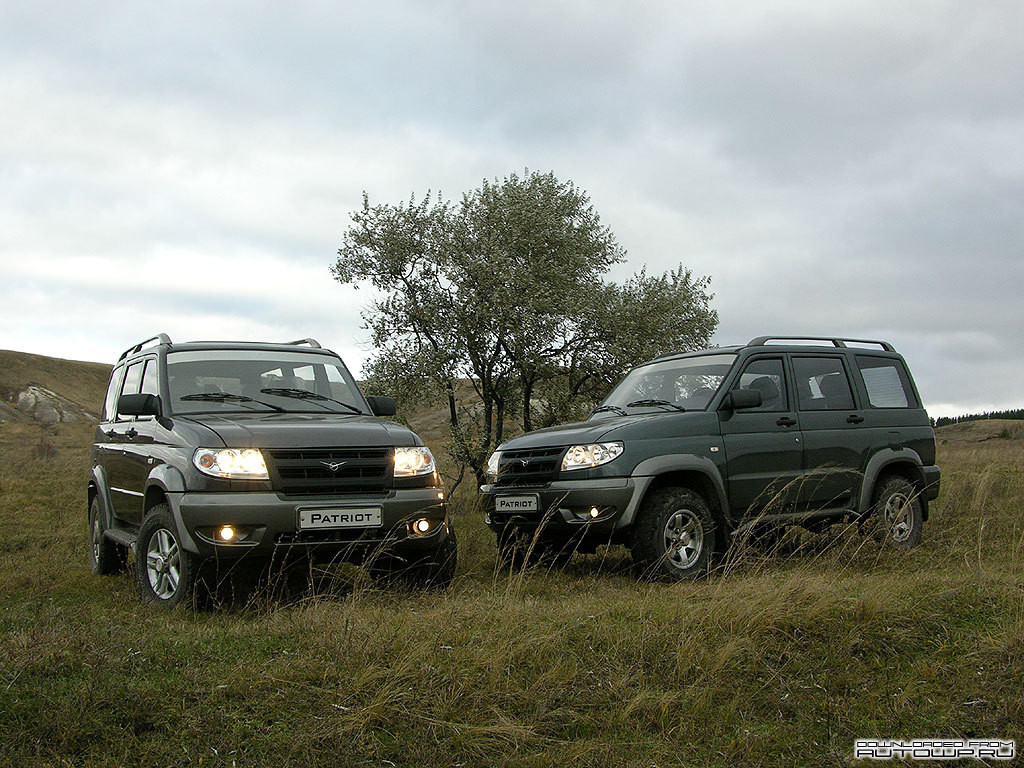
149,379
765,375
132,379
886,381
821,384
110,402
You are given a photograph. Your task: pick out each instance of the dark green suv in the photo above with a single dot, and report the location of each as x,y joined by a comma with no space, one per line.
213,453
691,449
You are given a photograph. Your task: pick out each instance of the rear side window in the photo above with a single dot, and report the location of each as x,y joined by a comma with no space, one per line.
110,402
821,384
886,382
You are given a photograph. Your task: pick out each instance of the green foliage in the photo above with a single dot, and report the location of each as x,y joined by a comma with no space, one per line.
505,290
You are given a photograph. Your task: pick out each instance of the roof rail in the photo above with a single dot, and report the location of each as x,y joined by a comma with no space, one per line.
760,341
162,338
312,342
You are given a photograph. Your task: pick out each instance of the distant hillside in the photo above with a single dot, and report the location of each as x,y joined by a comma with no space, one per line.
981,430
50,389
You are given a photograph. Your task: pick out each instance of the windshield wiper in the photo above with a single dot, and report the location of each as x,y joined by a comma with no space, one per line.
223,397
305,394
615,408
651,403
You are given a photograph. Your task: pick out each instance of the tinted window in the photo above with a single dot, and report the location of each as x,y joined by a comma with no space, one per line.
821,384
113,388
886,382
766,377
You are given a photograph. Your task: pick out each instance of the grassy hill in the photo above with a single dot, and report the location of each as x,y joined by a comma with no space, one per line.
78,386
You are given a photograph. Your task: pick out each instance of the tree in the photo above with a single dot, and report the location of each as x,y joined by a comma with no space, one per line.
498,304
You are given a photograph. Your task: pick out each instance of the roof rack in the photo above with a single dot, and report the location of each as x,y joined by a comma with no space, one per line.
312,342
161,338
760,341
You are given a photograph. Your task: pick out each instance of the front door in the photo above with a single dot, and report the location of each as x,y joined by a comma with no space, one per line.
126,499
762,445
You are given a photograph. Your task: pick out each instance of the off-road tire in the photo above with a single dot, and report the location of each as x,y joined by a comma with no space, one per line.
432,569
105,556
685,515
165,574
898,513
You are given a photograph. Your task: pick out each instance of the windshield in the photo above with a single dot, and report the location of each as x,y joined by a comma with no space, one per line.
220,380
685,383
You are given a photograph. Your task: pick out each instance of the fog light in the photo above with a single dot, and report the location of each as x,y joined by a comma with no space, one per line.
226,533
422,525
594,512
440,495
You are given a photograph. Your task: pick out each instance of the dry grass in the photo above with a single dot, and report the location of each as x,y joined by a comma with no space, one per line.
784,661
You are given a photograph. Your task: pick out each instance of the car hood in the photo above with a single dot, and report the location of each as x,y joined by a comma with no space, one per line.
304,430
576,433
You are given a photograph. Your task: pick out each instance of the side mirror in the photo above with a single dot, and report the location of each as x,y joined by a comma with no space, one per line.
138,405
382,406
742,398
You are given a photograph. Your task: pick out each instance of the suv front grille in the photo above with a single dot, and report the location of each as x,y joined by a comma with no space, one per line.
528,466
308,471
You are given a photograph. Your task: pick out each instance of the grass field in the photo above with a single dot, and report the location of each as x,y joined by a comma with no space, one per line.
781,662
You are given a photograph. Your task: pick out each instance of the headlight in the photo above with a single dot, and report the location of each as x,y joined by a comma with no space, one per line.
411,462
492,464
237,463
593,455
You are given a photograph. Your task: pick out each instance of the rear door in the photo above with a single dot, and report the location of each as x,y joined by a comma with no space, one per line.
835,441
762,445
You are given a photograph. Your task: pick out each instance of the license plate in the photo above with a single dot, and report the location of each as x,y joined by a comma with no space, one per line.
515,504
342,517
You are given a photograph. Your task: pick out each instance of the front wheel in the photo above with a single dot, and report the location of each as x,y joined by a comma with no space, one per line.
164,572
898,511
676,536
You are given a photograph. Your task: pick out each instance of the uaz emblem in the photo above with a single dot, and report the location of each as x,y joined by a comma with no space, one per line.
334,466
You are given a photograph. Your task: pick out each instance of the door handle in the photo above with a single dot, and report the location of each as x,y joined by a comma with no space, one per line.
131,434
785,421
853,418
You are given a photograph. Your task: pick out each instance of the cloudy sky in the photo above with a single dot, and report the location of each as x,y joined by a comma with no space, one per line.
849,168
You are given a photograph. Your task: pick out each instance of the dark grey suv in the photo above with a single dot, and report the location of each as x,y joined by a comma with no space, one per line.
208,453
690,450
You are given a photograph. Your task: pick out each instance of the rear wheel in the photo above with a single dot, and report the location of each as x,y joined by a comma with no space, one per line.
165,573
105,556
676,536
898,511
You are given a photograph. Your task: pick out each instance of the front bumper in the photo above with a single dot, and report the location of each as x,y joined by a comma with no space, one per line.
269,521
565,506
